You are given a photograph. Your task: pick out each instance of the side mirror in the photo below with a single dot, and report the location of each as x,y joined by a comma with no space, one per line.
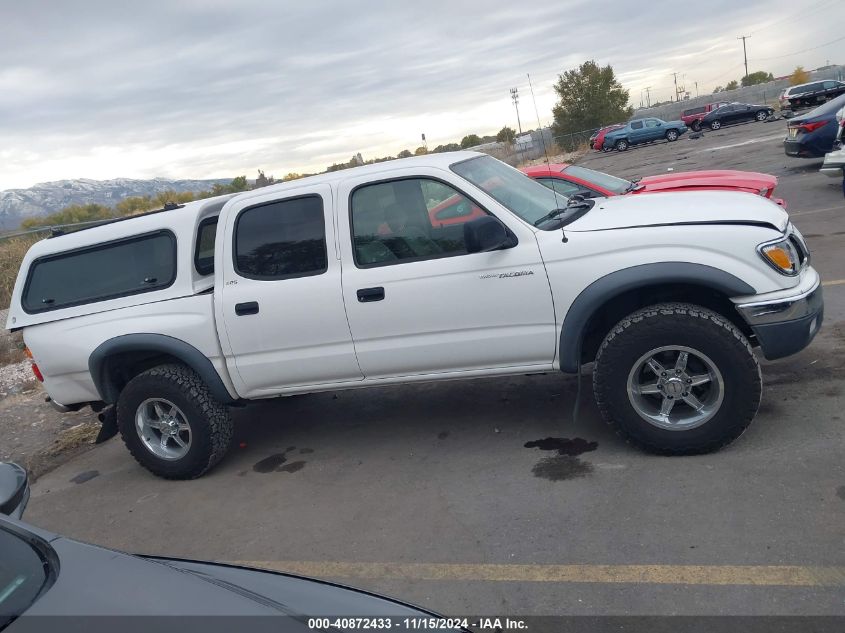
486,234
14,490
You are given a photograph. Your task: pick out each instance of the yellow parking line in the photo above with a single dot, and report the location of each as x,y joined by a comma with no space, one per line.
751,575
833,282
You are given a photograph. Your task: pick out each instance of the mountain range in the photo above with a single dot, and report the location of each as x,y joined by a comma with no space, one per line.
48,197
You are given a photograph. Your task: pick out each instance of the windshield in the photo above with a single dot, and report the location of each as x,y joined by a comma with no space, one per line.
23,573
525,197
603,180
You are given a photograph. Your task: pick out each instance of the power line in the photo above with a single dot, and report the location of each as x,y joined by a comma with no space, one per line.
806,50
791,17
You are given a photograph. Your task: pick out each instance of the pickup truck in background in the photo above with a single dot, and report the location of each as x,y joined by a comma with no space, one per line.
692,117
346,280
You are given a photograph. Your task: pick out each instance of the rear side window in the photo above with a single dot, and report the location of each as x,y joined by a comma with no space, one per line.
282,239
107,271
692,111
204,254
636,125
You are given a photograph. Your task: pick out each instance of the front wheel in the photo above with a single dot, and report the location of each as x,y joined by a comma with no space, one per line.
762,115
622,145
715,125
671,135
171,423
677,379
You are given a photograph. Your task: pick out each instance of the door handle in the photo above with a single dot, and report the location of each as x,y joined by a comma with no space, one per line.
249,307
370,294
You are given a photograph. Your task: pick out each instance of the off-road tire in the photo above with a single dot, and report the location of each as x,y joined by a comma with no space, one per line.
622,145
211,425
687,325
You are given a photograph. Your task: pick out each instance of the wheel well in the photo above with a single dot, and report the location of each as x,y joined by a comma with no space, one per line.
121,367
616,308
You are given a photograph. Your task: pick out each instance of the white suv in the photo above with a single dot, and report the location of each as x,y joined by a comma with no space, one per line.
436,267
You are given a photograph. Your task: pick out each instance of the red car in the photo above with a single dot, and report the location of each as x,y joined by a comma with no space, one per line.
692,117
572,180
597,142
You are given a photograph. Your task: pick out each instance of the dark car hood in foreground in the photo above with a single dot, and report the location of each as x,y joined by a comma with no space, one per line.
106,589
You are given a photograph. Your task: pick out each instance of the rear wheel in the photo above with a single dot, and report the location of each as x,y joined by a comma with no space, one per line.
622,145
715,125
762,115
677,379
696,126
171,423
671,135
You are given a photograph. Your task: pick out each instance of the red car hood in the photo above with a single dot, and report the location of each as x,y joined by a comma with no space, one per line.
749,181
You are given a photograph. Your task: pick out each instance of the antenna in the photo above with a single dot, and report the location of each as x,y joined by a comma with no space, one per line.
545,152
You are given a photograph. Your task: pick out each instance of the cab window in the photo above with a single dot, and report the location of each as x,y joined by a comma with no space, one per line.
411,219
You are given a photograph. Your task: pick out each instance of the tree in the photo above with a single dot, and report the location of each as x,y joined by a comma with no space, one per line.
404,154
733,84
292,176
238,184
718,89
759,77
506,135
470,140
420,151
449,147
588,97
799,76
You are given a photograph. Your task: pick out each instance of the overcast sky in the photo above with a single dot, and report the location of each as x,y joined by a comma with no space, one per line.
206,88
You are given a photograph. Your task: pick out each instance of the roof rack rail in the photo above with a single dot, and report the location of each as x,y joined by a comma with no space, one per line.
58,231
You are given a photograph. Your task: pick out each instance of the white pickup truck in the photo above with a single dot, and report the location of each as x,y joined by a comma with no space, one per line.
437,267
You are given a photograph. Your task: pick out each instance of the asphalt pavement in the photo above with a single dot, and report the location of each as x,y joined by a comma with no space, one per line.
453,497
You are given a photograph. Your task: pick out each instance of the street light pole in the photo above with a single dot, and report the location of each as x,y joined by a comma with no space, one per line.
515,97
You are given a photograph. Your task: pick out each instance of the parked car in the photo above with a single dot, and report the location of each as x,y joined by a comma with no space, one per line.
735,113
644,131
812,134
811,94
692,117
834,162
571,180
296,288
47,578
597,140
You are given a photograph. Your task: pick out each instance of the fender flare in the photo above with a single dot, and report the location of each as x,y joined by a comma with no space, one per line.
187,354
588,302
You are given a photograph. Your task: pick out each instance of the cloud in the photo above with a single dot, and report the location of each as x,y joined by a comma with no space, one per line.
204,88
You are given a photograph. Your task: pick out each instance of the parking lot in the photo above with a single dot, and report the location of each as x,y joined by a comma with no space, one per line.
487,497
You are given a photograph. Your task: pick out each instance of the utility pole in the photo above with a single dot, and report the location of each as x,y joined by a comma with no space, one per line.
648,96
744,53
696,88
515,97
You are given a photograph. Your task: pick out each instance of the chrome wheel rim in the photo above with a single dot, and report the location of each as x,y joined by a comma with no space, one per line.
675,388
715,125
762,116
163,428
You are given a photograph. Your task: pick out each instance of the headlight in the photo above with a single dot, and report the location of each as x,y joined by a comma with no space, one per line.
781,255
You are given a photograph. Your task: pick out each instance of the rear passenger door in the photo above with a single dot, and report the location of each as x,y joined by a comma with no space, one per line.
278,294
636,133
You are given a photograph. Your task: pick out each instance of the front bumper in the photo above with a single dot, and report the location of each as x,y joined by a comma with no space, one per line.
786,325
